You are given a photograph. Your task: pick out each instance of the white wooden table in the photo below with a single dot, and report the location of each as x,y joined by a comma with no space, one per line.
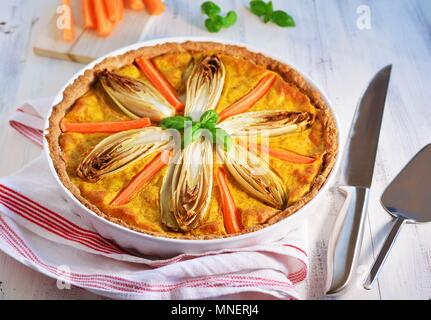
328,45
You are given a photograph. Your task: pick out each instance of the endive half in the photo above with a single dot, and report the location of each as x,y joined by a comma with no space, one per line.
120,149
135,98
271,123
204,86
187,187
254,175
186,190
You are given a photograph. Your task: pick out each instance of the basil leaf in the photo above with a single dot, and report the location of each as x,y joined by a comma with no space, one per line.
258,7
188,135
268,12
214,24
230,19
196,125
269,8
282,19
209,119
176,122
222,137
215,21
210,9
196,134
184,143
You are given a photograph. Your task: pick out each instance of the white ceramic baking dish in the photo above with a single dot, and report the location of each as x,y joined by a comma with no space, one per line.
147,244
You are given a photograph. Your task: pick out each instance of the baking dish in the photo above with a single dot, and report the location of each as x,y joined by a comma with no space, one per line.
162,246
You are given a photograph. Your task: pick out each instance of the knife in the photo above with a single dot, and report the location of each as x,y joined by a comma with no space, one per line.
356,177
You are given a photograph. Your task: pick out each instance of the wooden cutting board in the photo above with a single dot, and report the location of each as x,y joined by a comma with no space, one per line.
88,45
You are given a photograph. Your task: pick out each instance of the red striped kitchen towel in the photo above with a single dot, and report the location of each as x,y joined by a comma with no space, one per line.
38,229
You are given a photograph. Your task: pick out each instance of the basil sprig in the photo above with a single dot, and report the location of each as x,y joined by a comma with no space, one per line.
208,121
215,21
176,122
266,11
221,136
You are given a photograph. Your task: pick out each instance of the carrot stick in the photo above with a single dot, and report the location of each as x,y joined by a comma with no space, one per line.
137,5
139,181
112,10
69,30
104,25
232,221
94,127
120,5
247,101
160,82
280,154
89,18
155,7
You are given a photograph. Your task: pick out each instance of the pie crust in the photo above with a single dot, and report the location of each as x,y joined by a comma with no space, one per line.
83,83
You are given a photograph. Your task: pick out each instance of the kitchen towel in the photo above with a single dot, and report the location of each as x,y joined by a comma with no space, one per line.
39,229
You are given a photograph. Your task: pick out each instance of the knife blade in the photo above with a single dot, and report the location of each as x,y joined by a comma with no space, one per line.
356,178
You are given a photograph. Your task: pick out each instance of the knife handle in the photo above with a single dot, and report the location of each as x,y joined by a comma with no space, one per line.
346,239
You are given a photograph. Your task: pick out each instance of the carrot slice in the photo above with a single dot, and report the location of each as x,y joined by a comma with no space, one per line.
247,101
112,10
89,18
154,7
69,30
137,5
104,25
139,180
160,82
279,154
108,127
231,218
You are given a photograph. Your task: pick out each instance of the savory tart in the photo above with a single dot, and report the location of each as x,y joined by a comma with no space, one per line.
193,140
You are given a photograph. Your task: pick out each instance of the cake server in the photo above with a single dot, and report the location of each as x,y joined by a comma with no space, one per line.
407,199
356,177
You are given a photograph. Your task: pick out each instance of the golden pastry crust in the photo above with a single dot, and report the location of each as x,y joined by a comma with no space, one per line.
83,83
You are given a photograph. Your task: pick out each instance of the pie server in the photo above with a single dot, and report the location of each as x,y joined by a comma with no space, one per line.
407,199
356,177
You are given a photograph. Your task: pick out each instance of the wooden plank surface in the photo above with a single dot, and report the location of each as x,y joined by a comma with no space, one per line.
87,45
328,45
